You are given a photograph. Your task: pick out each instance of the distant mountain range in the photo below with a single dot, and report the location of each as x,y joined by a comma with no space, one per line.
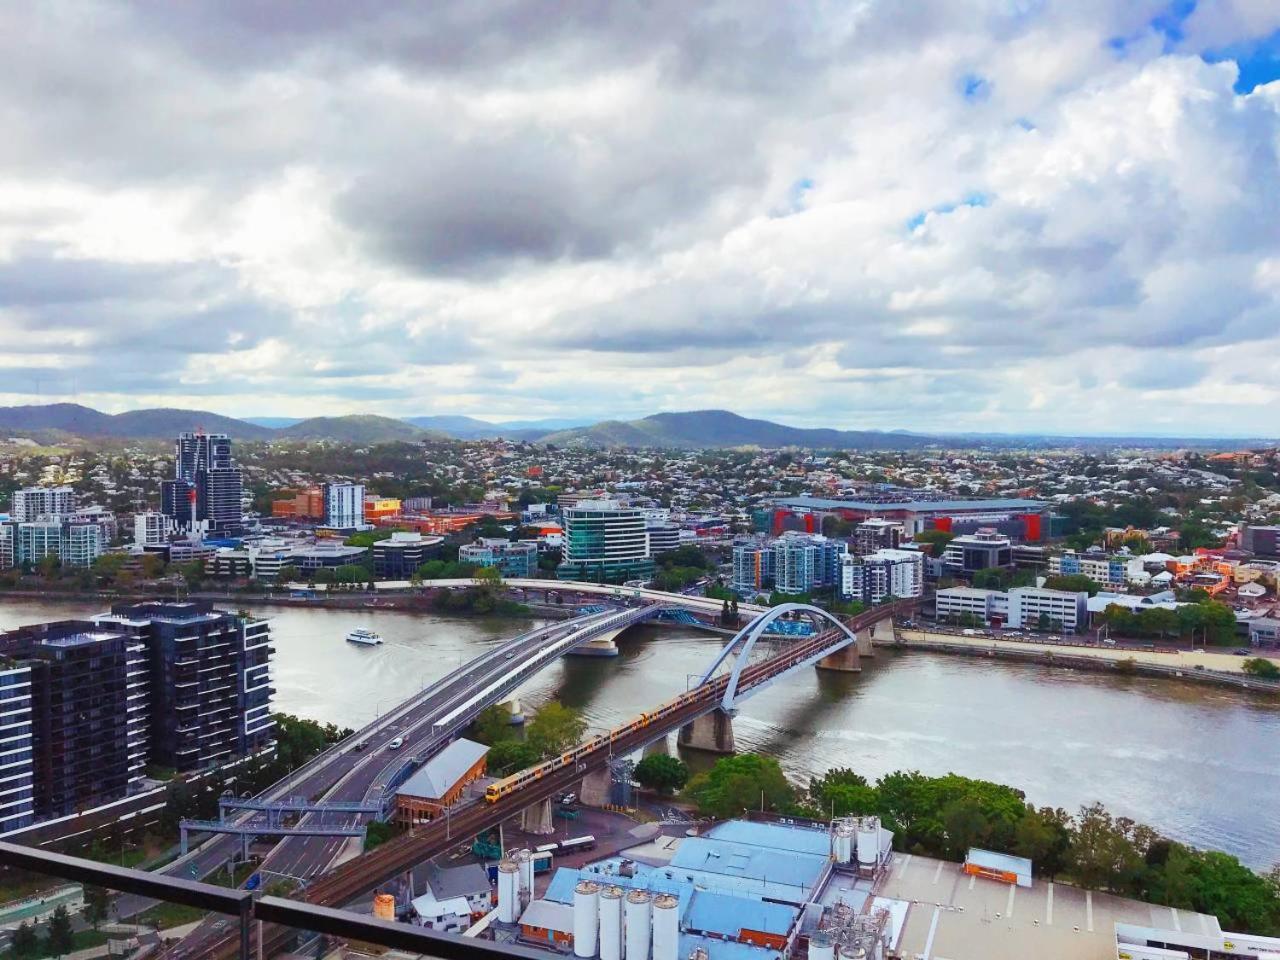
696,429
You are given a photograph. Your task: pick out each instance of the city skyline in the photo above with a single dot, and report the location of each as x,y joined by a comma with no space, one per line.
1042,217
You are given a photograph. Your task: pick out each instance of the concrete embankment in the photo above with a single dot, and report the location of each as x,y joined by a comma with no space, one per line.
1224,669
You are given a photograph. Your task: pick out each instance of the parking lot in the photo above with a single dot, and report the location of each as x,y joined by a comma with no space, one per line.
953,916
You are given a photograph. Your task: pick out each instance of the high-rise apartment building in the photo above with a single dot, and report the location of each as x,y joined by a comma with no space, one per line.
151,528
206,487
805,562
752,565
885,573
605,542
80,692
31,503
877,534
17,770
76,543
84,706
344,506
210,692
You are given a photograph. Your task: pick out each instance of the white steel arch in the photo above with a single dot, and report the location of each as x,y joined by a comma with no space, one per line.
746,638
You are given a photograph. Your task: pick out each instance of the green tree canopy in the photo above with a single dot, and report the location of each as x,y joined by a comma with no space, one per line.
741,783
661,772
555,728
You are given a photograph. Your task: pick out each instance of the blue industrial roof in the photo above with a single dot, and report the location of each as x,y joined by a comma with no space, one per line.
745,861
875,506
724,949
718,913
779,836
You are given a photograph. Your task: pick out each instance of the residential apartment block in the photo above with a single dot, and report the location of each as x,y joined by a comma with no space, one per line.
882,574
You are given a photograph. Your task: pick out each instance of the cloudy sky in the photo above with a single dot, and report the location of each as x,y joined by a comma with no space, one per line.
924,214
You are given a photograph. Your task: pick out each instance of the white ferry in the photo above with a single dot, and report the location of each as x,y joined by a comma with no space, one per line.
364,636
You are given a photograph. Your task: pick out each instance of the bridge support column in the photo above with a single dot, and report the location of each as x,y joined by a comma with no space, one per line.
865,647
597,788
844,660
538,819
712,732
516,711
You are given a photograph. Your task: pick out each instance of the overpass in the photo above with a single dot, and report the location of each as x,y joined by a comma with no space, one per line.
720,692
430,720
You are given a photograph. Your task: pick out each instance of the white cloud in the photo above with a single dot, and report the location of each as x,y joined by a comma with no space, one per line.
980,216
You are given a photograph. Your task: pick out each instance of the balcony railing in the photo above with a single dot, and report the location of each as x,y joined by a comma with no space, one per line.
251,911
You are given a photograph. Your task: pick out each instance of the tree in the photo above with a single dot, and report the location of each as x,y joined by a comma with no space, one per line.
935,540
743,782
377,833
288,574
59,937
1261,667
1103,853
965,824
489,576
555,728
493,724
25,942
662,773
96,903
152,566
1044,836
509,756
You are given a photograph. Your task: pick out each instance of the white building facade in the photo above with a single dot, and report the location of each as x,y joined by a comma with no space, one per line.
344,506
33,502
882,574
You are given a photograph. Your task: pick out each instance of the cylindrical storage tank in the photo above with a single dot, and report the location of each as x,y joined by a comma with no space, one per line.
637,927
821,947
611,923
524,860
844,841
384,907
508,891
869,841
666,927
585,918
852,953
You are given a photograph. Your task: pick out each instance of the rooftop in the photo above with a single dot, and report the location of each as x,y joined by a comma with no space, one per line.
439,774
911,504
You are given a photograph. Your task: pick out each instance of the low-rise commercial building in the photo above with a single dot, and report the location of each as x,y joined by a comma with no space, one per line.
959,603
984,550
1038,608
1108,571
399,556
440,782
512,559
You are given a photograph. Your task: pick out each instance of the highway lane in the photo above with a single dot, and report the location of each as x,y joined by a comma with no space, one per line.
345,764
363,775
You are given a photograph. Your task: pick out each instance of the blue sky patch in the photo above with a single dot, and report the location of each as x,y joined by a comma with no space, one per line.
975,199
974,87
1258,61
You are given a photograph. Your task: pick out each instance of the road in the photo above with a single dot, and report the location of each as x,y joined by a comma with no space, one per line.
355,877
361,775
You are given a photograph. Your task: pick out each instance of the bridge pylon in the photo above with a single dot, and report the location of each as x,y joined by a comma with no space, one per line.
712,733
845,660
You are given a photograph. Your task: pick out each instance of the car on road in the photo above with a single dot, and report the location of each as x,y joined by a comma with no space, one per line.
396,744
569,799
510,655
360,745
1242,652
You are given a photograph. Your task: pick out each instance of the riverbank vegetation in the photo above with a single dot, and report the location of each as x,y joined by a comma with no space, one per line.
1207,619
944,816
553,729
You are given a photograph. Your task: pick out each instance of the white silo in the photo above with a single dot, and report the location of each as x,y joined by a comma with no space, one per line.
852,952
586,921
666,927
820,946
843,841
637,927
508,891
524,860
611,923
868,841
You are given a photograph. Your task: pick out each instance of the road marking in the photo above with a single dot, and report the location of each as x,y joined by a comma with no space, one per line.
1177,923
933,929
937,873
972,880
1048,910
1088,910
1008,910
902,865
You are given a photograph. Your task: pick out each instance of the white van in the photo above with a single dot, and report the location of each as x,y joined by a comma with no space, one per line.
396,744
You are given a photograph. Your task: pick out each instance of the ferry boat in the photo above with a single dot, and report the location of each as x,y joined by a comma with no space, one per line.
365,636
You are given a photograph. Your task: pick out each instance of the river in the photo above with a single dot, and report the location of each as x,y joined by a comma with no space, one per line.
1196,762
